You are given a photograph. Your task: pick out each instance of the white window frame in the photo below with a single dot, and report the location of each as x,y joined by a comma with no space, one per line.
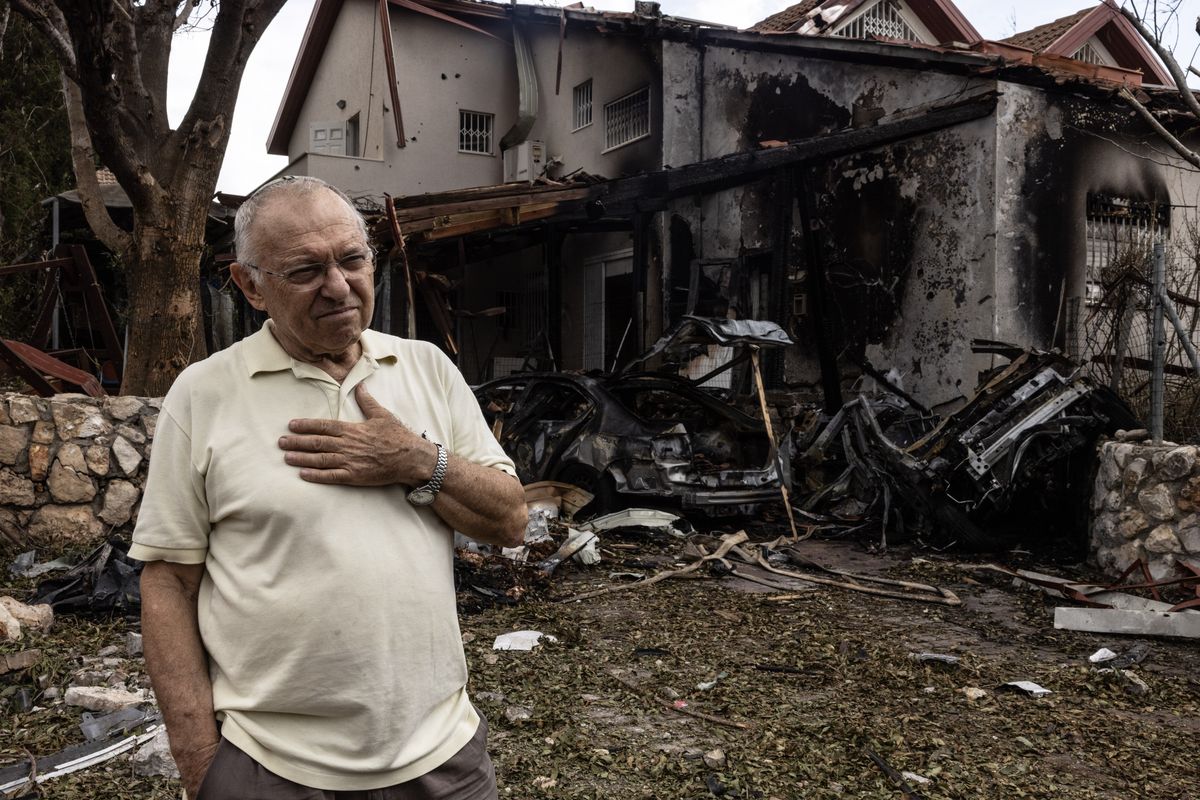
608,148
1106,58
578,105
924,35
491,131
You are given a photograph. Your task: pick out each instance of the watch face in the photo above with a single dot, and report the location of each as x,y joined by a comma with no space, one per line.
420,497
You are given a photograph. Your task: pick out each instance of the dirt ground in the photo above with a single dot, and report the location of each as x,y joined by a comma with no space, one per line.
798,692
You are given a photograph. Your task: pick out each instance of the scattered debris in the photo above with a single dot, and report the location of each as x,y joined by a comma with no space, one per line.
897,778
103,698
23,566
974,693
517,713
123,720
70,760
154,757
1180,624
640,518
105,581
715,758
934,657
15,662
1102,655
521,640
15,616
1029,687
133,644
678,705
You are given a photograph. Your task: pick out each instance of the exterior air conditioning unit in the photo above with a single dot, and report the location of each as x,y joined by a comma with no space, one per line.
525,162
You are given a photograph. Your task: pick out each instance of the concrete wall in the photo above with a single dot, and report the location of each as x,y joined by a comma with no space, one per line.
443,68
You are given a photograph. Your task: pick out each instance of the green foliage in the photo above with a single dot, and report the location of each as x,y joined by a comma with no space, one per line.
35,160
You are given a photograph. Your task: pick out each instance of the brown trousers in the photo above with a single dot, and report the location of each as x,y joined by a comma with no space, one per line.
468,775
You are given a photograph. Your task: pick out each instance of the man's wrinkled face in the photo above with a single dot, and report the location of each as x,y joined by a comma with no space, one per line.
324,316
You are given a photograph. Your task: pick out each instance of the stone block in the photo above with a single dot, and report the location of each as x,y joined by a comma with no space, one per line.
1189,495
1113,501
43,432
1162,567
123,406
78,420
1131,478
153,759
69,486
131,433
1109,474
149,422
1162,540
71,455
133,644
102,698
5,419
10,627
1131,523
39,461
14,441
1119,452
1177,463
53,526
97,458
128,458
1158,502
22,409
119,500
12,531
16,490
1189,538
36,618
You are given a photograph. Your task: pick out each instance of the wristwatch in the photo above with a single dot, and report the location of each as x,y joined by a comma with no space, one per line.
424,495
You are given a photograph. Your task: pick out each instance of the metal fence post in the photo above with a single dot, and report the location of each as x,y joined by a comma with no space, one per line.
1159,343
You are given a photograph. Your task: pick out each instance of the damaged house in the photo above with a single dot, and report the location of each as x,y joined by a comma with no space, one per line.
872,176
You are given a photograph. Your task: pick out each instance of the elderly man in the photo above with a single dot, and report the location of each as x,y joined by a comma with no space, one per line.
298,596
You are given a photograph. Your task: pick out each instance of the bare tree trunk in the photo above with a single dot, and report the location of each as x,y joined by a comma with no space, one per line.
166,328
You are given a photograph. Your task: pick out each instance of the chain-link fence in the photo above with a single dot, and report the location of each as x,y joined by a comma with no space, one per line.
1117,322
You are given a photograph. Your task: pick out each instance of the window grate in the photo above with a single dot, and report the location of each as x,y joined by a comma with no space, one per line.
883,21
627,119
475,132
1090,54
582,105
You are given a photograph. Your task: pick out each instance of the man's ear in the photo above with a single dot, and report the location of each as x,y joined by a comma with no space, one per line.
245,281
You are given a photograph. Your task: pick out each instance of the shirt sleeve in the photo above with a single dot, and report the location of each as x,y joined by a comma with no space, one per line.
173,523
472,439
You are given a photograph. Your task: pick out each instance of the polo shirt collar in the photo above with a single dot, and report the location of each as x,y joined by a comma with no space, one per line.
263,353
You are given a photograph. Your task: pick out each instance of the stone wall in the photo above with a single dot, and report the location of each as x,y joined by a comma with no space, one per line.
1146,504
71,468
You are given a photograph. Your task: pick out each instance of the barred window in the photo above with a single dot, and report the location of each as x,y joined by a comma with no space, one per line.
1091,55
627,119
884,21
475,132
582,105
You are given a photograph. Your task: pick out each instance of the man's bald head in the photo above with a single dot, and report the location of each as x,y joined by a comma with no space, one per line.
287,188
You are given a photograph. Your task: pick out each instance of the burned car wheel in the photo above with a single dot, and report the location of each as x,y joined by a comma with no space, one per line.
605,498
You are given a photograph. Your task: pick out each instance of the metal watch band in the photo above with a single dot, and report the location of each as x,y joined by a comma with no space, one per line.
439,471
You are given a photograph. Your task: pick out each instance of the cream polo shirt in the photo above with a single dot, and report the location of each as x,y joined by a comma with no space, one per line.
328,612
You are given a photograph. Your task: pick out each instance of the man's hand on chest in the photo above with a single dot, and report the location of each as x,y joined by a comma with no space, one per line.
378,451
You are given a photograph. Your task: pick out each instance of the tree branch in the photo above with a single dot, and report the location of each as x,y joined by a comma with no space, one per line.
4,12
1177,74
1179,147
83,160
183,15
50,22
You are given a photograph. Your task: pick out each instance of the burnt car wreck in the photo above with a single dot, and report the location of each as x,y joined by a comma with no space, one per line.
647,438
1020,449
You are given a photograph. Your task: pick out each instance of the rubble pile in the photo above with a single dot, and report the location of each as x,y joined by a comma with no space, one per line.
1146,505
71,467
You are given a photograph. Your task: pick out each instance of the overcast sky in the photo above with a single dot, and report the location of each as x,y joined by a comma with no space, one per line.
247,163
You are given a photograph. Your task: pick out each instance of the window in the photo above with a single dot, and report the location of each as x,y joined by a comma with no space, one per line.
582,105
475,132
352,136
1093,53
883,20
627,119
1120,237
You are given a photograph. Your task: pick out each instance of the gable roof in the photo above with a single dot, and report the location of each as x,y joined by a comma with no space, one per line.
1063,37
817,17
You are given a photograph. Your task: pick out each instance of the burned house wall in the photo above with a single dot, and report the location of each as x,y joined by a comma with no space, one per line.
903,230
579,254
71,467
1056,150
1146,505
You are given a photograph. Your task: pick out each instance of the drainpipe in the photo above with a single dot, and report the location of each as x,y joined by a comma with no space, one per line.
527,108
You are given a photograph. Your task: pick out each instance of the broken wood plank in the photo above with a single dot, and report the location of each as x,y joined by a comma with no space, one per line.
1177,624
744,726
728,542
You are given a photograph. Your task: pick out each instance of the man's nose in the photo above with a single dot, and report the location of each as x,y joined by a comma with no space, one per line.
334,282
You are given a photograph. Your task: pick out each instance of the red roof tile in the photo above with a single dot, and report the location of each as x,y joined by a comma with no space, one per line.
1039,38
788,18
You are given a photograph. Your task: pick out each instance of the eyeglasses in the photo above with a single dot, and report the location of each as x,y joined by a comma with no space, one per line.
309,276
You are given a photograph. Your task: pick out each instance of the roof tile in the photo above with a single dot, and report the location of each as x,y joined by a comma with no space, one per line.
1039,38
